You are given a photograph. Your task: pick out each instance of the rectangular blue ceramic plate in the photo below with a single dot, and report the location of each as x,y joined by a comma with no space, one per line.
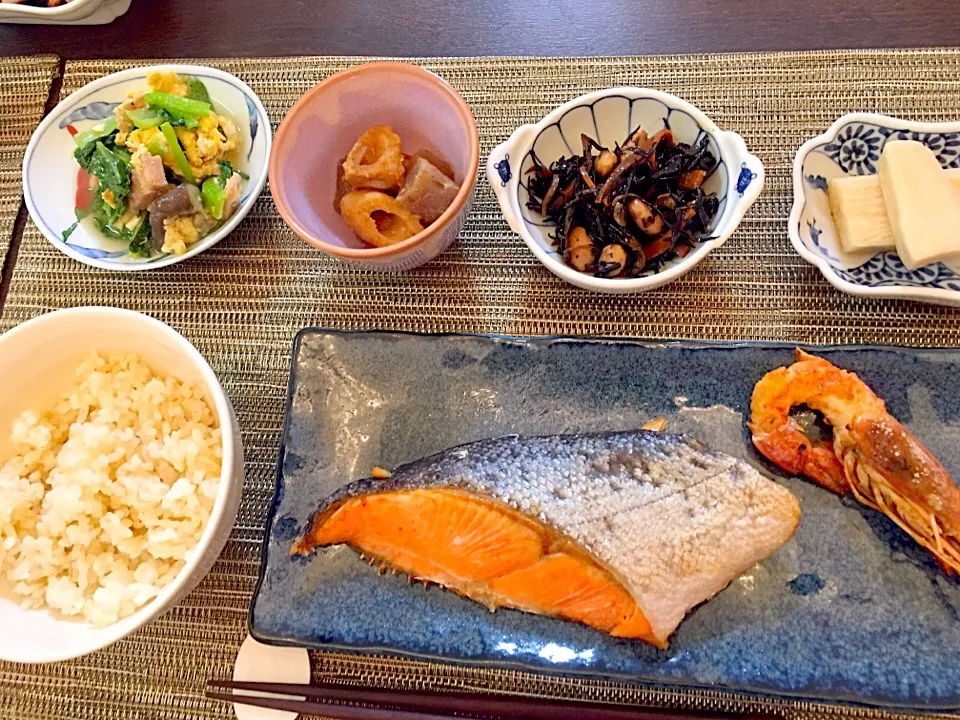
850,610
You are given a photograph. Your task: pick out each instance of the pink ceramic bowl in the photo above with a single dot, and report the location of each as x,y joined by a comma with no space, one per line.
323,125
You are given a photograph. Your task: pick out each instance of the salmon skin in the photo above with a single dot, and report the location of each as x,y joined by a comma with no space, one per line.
624,532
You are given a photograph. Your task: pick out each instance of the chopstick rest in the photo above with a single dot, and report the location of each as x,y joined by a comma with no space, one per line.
266,663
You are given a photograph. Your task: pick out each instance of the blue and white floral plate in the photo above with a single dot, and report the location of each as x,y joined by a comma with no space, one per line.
50,172
608,116
852,146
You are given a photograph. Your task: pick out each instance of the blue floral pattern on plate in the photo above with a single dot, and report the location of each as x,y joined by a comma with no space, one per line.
946,146
818,182
858,146
854,148
746,177
96,253
92,111
815,234
503,170
254,124
887,270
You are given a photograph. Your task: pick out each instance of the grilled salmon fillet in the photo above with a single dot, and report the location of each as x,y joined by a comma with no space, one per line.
624,532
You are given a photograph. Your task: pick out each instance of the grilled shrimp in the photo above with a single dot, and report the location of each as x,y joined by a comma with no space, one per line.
871,456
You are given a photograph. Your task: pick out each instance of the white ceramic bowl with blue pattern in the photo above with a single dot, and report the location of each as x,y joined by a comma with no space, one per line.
852,146
50,172
609,116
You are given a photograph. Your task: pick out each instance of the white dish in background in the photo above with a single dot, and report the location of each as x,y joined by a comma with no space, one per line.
852,146
78,12
609,116
42,355
50,171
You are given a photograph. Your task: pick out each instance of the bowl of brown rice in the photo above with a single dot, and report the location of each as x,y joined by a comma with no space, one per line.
121,471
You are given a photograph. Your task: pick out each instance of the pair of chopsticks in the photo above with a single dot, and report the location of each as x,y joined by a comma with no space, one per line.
340,702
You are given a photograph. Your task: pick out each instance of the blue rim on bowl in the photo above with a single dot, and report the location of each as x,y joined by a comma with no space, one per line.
49,171
852,146
609,116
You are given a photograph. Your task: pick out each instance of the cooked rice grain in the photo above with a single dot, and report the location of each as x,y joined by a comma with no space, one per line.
107,492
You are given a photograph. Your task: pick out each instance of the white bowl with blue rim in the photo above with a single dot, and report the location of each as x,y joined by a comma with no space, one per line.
608,116
852,146
50,171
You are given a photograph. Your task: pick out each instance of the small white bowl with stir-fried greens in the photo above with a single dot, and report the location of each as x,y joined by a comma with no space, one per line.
148,166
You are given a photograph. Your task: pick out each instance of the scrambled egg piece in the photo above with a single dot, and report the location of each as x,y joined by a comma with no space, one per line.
129,220
136,143
179,232
167,82
208,144
138,148
136,157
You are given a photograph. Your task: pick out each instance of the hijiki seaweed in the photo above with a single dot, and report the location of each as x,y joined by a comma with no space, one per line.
626,211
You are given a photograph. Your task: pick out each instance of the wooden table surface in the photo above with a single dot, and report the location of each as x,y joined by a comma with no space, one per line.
210,28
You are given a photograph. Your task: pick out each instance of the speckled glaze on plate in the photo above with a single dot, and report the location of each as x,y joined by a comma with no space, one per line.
850,610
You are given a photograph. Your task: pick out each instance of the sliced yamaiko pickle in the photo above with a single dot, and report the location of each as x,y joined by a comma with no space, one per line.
375,161
377,218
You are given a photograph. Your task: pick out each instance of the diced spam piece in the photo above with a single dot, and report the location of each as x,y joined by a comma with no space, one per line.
860,214
427,192
921,204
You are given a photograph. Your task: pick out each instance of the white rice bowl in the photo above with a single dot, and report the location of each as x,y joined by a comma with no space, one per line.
39,360
108,491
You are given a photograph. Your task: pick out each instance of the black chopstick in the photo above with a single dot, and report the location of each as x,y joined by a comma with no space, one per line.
334,711
369,704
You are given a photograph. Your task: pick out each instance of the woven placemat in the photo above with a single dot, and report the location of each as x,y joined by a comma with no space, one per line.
242,302
24,87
